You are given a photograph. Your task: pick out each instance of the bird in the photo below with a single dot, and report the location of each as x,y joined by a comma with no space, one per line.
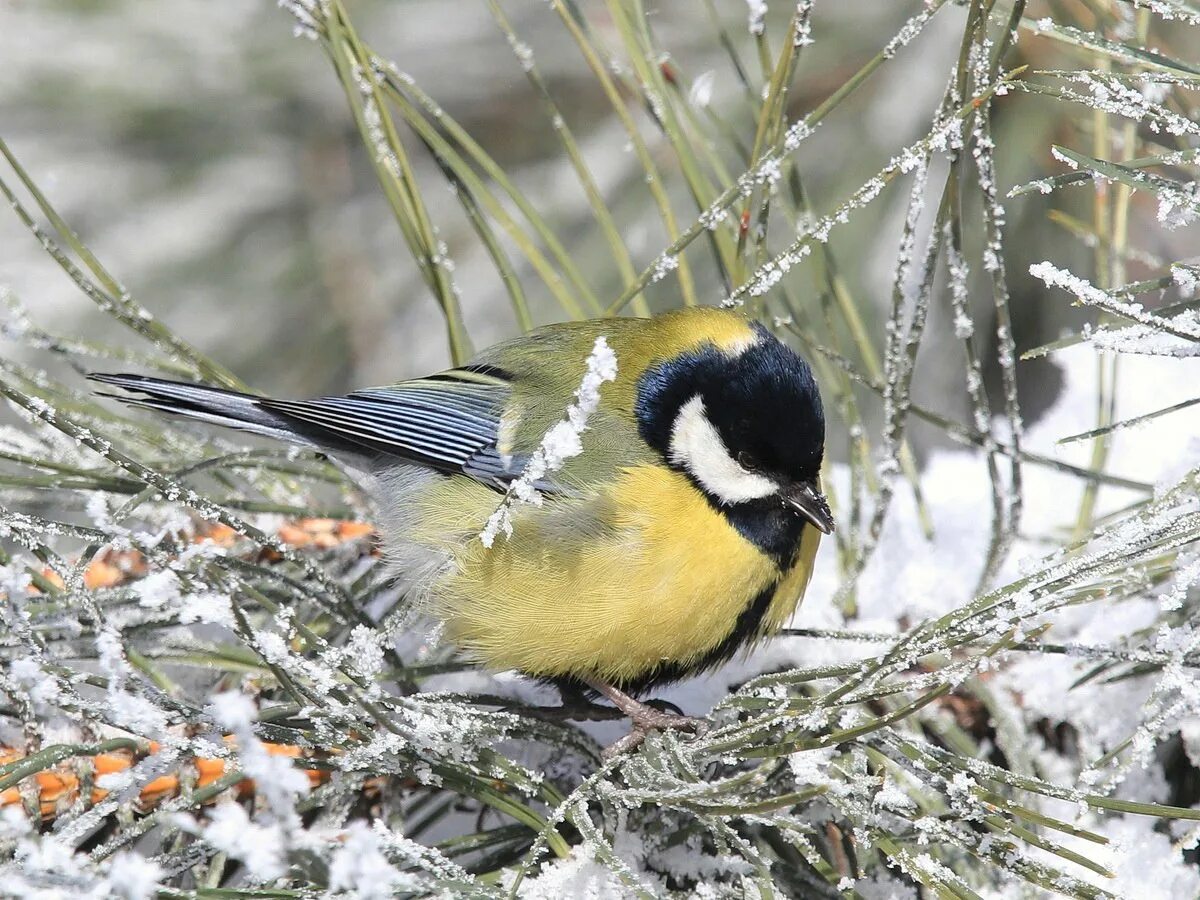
684,532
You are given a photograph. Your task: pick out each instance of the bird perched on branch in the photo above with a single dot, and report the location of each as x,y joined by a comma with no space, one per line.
684,531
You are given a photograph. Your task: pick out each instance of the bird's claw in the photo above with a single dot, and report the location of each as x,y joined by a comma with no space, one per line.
643,724
644,718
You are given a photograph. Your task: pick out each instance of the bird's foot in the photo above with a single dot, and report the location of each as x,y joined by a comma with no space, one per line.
644,718
642,729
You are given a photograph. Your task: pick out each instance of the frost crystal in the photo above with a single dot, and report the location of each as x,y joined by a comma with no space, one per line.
259,848
133,877
803,37
908,31
359,868
158,590
279,781
522,51
1187,278
664,264
310,17
1088,293
364,653
756,13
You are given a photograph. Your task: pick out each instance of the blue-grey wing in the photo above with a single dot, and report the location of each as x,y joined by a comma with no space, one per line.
449,422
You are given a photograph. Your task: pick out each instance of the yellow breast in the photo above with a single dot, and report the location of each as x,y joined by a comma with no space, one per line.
610,587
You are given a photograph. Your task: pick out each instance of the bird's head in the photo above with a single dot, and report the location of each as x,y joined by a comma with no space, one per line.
745,424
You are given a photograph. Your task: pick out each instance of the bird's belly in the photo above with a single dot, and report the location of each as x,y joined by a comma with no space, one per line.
647,577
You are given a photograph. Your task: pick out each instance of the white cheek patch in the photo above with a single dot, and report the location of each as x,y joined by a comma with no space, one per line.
696,445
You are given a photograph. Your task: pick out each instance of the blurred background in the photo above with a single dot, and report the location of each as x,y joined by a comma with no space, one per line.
208,156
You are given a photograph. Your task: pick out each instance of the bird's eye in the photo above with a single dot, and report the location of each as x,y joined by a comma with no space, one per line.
748,461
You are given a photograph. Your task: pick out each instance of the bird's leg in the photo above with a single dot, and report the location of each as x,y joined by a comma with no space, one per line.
644,718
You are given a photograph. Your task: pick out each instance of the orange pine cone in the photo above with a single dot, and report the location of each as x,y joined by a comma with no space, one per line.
112,568
59,787
323,534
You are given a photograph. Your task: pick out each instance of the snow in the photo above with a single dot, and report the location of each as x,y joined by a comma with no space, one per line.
561,442
522,51
882,886
135,712
132,877
207,607
576,876
260,848
364,652
1108,93
261,845
42,690
1148,340
360,868
662,266
701,92
1088,293
158,590
233,711
1147,866
756,15
803,36
44,856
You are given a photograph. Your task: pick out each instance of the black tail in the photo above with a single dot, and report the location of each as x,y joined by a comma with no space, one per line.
231,409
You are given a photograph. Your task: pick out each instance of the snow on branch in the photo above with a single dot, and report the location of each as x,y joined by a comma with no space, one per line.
563,441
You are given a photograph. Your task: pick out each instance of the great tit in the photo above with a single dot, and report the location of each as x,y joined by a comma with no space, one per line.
684,531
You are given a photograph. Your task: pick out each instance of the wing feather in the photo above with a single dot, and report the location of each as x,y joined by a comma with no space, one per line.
448,422
380,421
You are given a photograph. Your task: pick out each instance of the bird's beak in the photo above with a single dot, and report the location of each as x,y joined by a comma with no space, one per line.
810,503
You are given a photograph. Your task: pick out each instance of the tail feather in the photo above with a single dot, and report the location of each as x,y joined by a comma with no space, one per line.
216,406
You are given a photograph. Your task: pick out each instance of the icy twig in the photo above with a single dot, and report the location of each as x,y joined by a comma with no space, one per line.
560,443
